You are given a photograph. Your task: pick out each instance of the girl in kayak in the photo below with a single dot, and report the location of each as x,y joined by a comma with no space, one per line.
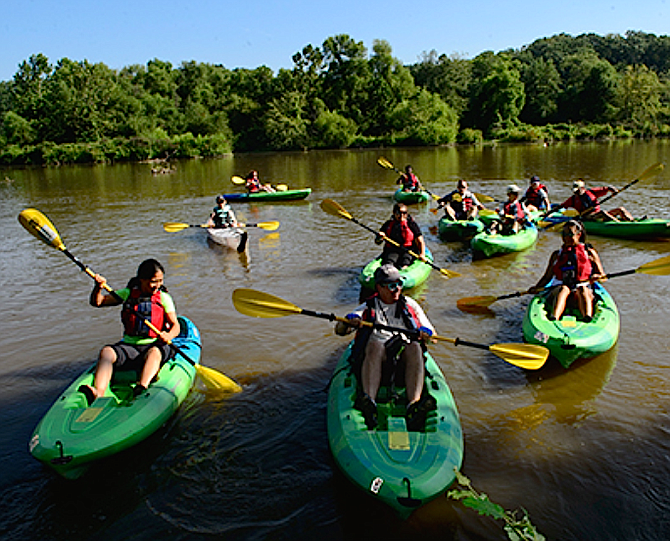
144,298
222,215
410,182
402,229
571,271
253,183
377,348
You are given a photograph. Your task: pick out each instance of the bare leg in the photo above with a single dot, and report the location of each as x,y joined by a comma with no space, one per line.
104,370
152,364
413,357
561,301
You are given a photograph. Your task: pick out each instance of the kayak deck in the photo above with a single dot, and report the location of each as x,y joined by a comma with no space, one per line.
449,229
401,468
644,229
410,198
413,275
286,195
230,237
485,244
72,434
571,338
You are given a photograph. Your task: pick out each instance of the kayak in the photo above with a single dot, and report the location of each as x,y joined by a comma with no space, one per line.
413,275
488,217
410,198
287,195
571,338
230,237
402,469
72,435
459,229
644,229
485,244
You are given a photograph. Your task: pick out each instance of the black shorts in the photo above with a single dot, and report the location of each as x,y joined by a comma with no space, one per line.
132,356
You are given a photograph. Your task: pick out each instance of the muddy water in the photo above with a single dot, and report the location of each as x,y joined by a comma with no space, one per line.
585,451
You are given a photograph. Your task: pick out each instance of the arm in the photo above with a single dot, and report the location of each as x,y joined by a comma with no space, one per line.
598,270
98,298
173,332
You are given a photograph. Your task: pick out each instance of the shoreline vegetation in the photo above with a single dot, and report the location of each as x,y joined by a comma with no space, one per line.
337,96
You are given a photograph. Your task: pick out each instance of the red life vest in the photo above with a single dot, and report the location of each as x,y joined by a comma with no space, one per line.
150,308
411,182
533,196
573,265
514,209
400,232
253,185
581,202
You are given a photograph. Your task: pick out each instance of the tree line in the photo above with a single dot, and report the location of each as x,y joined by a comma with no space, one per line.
337,95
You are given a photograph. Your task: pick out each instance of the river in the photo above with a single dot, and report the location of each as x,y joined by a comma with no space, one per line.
585,451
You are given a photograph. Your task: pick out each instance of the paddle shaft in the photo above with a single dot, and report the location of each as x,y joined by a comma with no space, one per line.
118,298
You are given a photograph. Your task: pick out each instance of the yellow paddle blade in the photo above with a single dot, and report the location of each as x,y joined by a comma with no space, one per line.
216,381
488,212
268,226
38,225
173,227
334,208
484,198
281,187
659,267
473,303
237,180
651,171
527,356
385,163
258,304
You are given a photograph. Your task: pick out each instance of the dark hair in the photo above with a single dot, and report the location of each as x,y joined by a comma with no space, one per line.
398,206
146,271
579,226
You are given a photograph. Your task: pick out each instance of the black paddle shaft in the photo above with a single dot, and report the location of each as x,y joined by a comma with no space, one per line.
332,317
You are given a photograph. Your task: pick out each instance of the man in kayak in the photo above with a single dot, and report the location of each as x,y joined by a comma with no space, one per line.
585,201
144,298
222,215
536,196
410,182
253,183
571,271
402,229
376,349
461,203
512,213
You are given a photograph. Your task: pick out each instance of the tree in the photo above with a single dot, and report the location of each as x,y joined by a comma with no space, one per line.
640,94
425,120
542,84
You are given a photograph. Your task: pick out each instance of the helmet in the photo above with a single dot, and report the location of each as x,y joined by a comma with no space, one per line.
513,188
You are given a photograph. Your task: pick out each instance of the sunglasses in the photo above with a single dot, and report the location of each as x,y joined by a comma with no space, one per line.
393,286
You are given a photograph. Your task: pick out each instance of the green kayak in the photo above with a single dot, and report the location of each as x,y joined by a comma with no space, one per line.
571,338
458,229
72,434
413,275
287,195
638,230
403,469
485,244
410,198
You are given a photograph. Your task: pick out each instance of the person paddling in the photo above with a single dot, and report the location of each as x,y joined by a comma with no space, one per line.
512,213
410,182
585,201
376,349
536,196
402,229
571,271
222,215
461,203
254,185
141,349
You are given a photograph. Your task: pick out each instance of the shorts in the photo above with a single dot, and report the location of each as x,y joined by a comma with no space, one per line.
131,356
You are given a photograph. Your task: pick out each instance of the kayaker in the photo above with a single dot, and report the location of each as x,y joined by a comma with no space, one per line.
141,349
222,215
571,271
410,182
536,196
585,201
402,229
254,185
512,213
377,349
461,203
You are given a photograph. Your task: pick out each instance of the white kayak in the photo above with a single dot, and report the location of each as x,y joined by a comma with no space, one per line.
230,237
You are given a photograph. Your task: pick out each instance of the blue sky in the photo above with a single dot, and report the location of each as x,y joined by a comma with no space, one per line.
251,33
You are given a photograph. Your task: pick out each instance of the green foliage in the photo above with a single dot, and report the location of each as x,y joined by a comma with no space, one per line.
332,130
517,528
470,136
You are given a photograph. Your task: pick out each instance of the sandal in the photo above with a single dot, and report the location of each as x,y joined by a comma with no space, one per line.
88,393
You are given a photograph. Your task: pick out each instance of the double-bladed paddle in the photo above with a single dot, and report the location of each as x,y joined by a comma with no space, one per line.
658,267
335,209
38,225
173,227
259,304
388,165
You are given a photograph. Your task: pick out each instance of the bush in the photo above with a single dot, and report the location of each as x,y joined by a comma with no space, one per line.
470,136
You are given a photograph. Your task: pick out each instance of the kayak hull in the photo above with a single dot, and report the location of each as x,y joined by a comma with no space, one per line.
570,338
72,435
413,275
410,198
488,245
637,230
459,229
400,468
230,237
287,195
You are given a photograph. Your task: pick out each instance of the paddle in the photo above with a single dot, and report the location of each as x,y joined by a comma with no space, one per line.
258,304
173,227
334,208
237,180
388,165
658,267
38,225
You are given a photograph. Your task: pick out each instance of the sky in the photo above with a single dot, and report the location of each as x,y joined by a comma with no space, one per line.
253,33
